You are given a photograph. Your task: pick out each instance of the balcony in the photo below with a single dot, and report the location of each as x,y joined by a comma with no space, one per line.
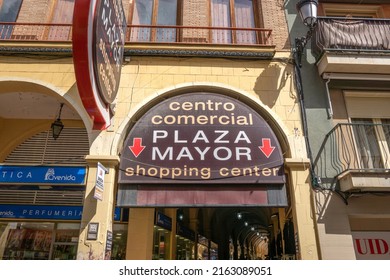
352,45
151,40
355,157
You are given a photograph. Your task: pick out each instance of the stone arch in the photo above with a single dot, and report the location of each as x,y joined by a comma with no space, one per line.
69,97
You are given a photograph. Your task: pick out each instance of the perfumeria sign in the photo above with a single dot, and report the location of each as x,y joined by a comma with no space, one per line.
99,28
201,138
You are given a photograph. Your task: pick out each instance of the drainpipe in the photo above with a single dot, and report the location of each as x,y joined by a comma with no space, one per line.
330,111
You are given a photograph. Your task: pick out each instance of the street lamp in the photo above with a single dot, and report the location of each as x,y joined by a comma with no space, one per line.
57,125
307,10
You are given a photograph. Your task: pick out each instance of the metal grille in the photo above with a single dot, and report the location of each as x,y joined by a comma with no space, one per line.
70,148
42,197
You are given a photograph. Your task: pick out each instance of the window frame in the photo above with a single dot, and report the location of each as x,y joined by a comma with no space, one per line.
154,19
381,143
233,23
369,105
346,10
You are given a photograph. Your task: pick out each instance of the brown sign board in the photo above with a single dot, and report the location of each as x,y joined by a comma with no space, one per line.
201,138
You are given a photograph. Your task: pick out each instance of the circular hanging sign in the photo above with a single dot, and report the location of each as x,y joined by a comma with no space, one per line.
201,138
99,28
108,43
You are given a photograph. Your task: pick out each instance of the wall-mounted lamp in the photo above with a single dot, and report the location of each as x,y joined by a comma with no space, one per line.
307,10
57,125
239,215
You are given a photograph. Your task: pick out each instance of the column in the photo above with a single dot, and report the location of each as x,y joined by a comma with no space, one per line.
97,212
140,234
302,208
171,254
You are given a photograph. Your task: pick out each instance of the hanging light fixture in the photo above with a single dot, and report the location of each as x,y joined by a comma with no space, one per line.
180,214
57,125
307,10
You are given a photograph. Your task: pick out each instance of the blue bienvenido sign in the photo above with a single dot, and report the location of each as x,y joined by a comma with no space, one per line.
45,175
163,221
8,211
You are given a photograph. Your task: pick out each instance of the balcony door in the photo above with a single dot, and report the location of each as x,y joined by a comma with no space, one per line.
372,138
9,10
62,14
231,14
154,12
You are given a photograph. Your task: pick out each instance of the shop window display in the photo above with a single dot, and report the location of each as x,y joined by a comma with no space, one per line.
119,242
160,243
26,241
185,248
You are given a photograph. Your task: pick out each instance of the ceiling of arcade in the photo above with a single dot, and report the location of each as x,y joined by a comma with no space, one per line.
33,105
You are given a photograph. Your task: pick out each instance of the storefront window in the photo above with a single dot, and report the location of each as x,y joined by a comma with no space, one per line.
203,248
26,241
213,251
65,243
185,248
119,242
185,242
161,243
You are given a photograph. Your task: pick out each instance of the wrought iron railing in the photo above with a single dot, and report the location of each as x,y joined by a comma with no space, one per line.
35,32
351,34
15,31
199,35
361,147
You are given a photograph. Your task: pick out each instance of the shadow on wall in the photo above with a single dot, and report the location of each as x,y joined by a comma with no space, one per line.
269,84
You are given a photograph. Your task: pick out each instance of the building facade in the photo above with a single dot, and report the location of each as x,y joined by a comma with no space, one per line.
204,155
345,83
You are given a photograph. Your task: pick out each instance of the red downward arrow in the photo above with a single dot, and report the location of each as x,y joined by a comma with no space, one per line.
266,147
137,147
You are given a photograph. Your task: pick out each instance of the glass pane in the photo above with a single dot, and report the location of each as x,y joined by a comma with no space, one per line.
64,252
67,233
167,11
8,13
160,243
9,10
245,18
220,13
27,241
386,130
63,13
143,10
367,143
119,242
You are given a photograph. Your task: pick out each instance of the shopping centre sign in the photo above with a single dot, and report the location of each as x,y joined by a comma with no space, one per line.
99,28
201,138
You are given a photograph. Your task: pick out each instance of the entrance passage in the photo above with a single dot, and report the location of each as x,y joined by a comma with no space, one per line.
251,233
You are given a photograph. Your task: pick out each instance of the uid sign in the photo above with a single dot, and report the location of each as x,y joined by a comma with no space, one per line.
371,245
201,138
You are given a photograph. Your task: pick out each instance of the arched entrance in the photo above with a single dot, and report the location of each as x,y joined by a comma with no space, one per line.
43,177
214,156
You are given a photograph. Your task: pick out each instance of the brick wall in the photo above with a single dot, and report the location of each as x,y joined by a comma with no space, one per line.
35,11
273,17
195,13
